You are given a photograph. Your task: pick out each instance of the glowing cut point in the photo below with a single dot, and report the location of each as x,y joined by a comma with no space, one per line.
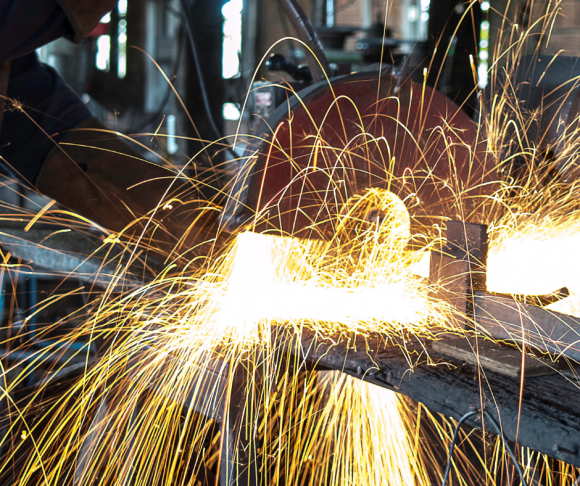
362,280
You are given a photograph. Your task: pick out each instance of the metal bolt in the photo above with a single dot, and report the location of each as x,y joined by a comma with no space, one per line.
372,376
564,450
358,370
389,377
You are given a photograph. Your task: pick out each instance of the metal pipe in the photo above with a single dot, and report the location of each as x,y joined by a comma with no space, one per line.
366,10
307,34
330,13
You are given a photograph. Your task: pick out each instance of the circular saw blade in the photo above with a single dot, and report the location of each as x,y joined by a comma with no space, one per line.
361,131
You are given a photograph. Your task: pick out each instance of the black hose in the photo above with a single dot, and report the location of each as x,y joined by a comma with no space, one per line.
199,72
506,445
307,34
462,420
497,428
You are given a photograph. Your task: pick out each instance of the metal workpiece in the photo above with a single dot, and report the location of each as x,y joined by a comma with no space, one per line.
542,413
503,317
457,269
490,356
537,413
49,250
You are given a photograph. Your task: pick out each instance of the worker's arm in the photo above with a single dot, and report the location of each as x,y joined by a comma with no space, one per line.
48,109
26,25
50,106
50,139
84,15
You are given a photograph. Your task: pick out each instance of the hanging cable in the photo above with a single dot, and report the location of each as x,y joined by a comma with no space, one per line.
198,71
317,59
498,431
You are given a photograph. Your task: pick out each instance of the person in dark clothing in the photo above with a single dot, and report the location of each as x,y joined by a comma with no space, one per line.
93,172
26,26
50,108
53,106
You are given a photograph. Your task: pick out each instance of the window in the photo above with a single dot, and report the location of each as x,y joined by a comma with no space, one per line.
232,40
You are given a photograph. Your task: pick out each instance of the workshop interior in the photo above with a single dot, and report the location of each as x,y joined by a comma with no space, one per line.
290,242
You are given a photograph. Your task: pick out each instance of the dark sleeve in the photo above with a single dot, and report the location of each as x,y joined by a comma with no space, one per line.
51,107
26,25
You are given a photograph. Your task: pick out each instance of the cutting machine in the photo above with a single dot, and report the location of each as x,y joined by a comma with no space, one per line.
382,129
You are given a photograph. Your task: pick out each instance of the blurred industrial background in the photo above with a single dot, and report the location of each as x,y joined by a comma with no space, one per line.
140,57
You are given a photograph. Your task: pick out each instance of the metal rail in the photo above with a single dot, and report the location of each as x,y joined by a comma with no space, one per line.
543,415
547,418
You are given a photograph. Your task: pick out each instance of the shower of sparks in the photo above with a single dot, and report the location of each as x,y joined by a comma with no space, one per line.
207,354
362,280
